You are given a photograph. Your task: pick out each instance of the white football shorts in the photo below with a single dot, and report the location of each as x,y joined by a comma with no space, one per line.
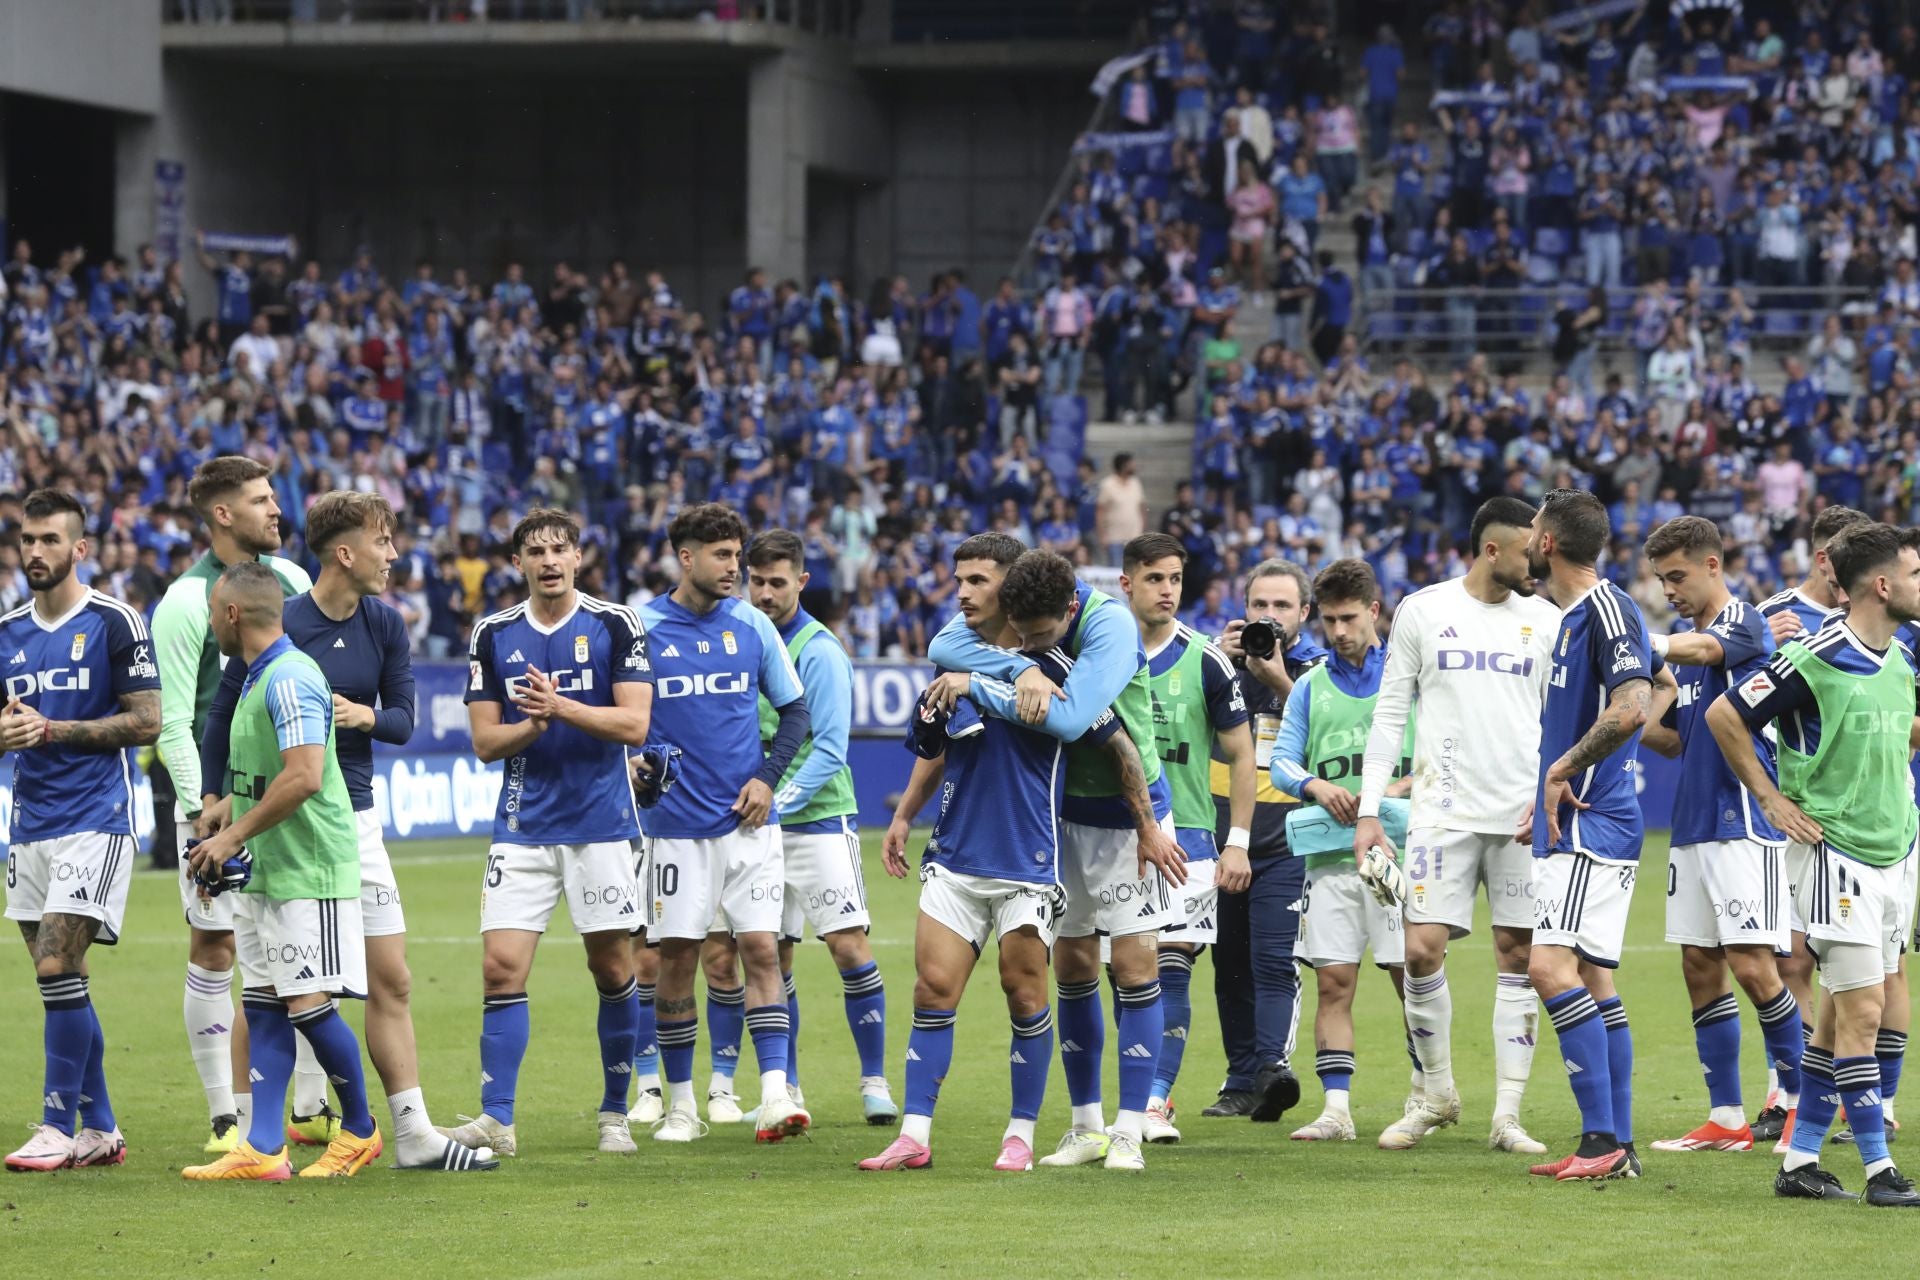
826,887
1099,869
380,911
525,882
1849,902
209,915
1445,869
982,907
733,882
1340,922
300,946
1727,893
83,874
1199,902
1581,902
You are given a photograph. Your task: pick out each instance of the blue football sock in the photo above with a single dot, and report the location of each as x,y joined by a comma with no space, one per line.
867,1016
1176,1005
1819,1103
1141,1028
769,1026
1030,1060
793,1030
1859,1082
1780,1030
1083,1037
67,1037
1335,1067
619,1028
726,1019
1716,1039
270,1053
1619,1065
1583,1046
96,1106
929,1054
676,1048
1891,1048
337,1050
646,1043
505,1025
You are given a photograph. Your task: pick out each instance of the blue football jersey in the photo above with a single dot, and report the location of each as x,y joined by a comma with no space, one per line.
568,787
709,672
1602,645
1813,615
1001,791
76,668
1711,804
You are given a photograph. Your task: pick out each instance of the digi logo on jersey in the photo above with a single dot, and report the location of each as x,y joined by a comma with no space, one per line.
1506,664
565,680
701,682
52,680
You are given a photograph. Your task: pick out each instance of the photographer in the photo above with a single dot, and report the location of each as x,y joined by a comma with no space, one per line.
1256,984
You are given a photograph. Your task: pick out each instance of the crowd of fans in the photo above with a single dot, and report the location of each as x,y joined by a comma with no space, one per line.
1697,219
886,426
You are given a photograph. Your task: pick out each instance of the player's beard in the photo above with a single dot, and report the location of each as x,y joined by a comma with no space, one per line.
262,543
1538,565
53,574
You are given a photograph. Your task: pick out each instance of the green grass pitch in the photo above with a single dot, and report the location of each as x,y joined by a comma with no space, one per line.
1233,1199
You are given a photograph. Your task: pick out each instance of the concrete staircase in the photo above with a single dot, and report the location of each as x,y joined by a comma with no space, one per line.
1163,454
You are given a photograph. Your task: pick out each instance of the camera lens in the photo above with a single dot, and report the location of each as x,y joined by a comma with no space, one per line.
1260,638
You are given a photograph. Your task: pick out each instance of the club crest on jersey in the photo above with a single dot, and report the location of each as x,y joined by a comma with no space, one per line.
580,650
1566,638
79,645
1846,907
728,643
1526,636
1173,685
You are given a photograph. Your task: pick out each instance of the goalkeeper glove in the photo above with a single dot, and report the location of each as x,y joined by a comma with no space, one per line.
1382,877
659,770
232,875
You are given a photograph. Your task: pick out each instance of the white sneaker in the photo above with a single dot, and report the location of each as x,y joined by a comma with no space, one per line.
1332,1126
1425,1112
1123,1152
93,1147
877,1104
1509,1136
680,1124
48,1149
1079,1146
615,1138
649,1109
723,1108
780,1117
1159,1125
483,1131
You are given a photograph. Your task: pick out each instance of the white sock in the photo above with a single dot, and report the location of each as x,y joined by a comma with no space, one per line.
309,1080
1799,1159
1727,1117
410,1122
919,1128
650,1082
1157,1100
243,1109
208,1012
874,1086
1516,1023
1773,1081
1886,1109
1092,1118
717,1083
1018,1128
1789,1101
1885,1162
680,1093
1430,1019
773,1083
1131,1123
1339,1102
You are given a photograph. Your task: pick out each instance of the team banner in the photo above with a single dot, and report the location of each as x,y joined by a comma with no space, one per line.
1109,74
169,209
1709,84
1587,13
1473,98
1117,142
231,242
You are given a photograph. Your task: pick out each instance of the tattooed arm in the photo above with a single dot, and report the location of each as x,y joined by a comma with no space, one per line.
1156,846
136,725
1627,709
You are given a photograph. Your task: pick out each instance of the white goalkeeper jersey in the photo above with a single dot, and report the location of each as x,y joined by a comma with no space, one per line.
1479,673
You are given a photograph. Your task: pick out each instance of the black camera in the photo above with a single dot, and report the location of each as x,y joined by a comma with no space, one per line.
1262,638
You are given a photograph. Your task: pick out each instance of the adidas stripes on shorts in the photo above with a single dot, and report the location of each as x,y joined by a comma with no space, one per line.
300,946
1581,902
83,874
826,886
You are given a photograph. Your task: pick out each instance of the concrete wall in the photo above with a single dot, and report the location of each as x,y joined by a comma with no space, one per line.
105,53
469,170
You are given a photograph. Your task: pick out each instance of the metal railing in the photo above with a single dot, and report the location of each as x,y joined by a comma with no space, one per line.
1520,322
822,17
